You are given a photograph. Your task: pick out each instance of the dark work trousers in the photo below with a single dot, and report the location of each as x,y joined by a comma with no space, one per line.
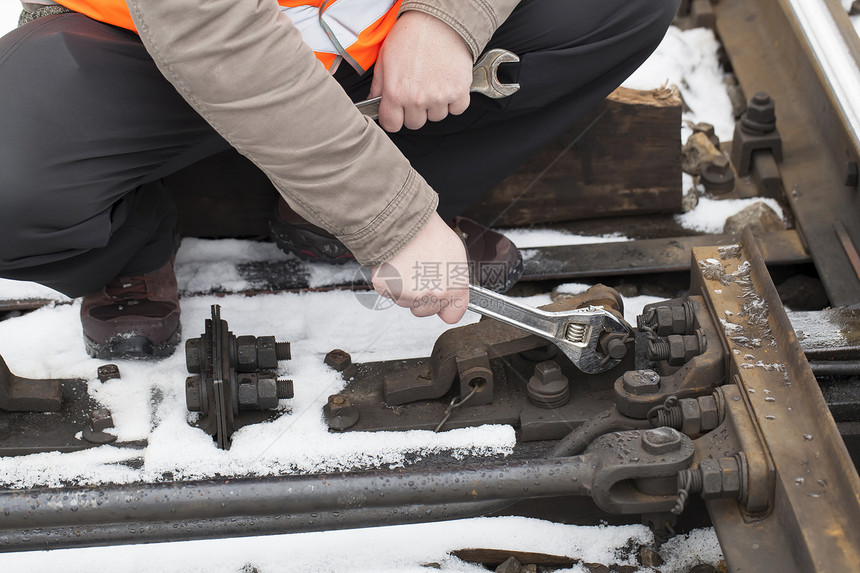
89,127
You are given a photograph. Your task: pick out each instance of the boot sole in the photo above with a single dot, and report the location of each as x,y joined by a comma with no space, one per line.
133,347
307,245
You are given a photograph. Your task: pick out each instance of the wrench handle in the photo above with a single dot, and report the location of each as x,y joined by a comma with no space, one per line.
513,313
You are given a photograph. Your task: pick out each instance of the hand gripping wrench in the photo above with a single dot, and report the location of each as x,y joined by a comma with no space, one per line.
485,80
577,333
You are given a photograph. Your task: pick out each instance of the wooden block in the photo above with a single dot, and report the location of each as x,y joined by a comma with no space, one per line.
628,162
623,158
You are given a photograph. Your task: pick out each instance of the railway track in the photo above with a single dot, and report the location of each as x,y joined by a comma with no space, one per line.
739,421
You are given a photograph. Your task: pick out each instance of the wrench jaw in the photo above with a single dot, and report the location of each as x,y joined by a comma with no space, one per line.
582,339
485,79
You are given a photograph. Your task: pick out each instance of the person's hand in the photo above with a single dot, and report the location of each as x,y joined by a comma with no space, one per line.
423,73
430,275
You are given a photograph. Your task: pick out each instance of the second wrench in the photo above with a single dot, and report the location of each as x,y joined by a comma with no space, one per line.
485,80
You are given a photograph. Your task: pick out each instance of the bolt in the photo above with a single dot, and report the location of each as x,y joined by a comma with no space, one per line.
760,116
710,410
718,177
267,356
676,349
101,419
282,350
267,393
548,387
665,320
613,344
285,388
339,412
246,353
661,440
246,392
657,350
640,382
108,372
338,360
711,481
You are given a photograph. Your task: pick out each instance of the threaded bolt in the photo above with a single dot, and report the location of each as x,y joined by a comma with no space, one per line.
657,350
282,351
285,388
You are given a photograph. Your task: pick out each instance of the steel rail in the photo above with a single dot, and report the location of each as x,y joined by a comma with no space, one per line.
813,515
804,53
835,49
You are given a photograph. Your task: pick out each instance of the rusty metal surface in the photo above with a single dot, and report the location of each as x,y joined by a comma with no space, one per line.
647,256
769,52
813,509
19,394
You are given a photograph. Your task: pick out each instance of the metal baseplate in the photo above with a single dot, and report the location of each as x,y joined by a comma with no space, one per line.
53,415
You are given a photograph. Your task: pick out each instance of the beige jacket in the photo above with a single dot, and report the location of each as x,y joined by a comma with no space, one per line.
243,66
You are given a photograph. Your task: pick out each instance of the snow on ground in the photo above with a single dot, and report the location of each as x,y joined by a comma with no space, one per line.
407,549
688,60
710,215
148,402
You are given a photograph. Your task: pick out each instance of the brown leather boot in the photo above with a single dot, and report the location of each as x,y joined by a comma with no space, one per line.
495,263
133,317
294,235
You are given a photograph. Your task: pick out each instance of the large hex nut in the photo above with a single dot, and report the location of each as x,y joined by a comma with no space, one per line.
246,353
712,480
731,477
709,411
267,392
691,416
338,360
760,116
677,350
267,352
247,391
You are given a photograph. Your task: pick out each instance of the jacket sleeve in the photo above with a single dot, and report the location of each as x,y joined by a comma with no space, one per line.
244,68
475,20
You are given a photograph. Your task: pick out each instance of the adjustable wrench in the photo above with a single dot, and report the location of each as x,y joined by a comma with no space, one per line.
577,333
485,80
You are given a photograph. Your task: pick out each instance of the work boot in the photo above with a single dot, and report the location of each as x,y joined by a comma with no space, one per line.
133,317
495,263
294,235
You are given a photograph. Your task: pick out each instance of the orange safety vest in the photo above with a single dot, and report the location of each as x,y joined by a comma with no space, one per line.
348,29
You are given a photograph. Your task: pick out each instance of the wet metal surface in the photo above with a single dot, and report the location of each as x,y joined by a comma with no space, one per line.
817,143
814,508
